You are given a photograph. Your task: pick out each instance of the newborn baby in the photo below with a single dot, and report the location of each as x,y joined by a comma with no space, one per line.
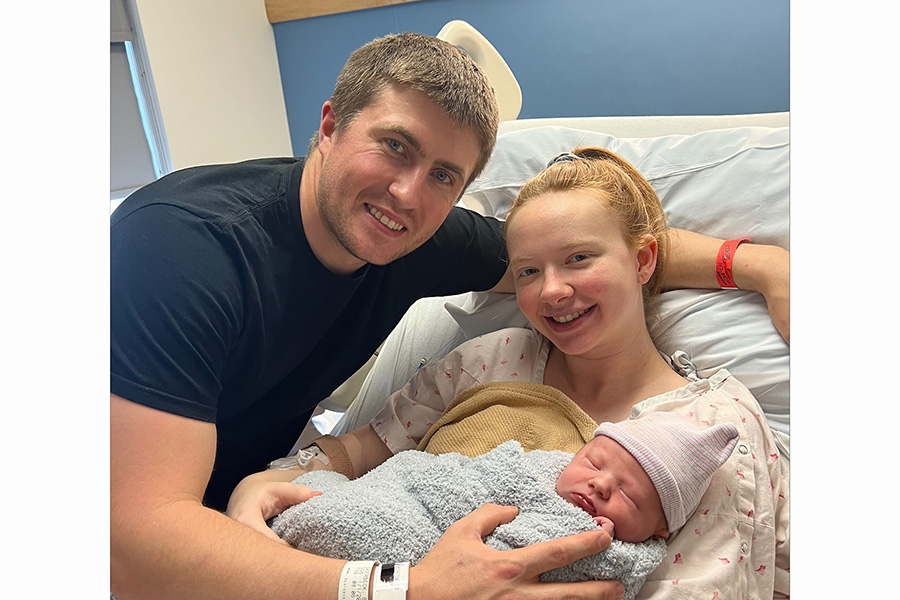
639,479
644,477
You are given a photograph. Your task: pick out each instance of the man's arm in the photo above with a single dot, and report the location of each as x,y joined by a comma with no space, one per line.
165,544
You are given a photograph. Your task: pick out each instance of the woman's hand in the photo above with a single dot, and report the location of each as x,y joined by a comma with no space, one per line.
767,270
257,499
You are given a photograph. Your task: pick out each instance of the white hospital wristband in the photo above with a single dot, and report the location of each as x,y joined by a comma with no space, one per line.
391,581
355,580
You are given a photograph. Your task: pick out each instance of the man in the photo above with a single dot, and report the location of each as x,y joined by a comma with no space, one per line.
242,295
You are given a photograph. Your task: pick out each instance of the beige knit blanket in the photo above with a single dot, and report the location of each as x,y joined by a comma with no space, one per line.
481,418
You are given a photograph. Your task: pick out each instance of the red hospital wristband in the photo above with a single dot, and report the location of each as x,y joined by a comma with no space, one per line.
723,263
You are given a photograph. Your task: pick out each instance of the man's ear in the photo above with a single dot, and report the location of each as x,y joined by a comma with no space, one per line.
327,128
646,258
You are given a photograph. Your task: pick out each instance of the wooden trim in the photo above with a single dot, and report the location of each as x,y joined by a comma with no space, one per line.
289,10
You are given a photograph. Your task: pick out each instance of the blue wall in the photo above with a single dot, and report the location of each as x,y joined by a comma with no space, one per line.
572,57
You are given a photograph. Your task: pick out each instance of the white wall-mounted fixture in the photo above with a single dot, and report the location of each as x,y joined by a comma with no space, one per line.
506,88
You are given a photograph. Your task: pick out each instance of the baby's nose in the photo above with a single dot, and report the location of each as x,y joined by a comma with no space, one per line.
602,484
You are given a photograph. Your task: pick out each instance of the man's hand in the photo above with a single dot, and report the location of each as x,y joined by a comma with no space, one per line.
461,566
255,500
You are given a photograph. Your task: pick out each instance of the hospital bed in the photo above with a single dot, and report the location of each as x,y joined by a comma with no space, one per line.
726,176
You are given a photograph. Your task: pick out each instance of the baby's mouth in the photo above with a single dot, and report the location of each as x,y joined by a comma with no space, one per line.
584,503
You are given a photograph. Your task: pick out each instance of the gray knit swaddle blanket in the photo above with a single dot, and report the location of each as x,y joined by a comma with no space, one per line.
397,512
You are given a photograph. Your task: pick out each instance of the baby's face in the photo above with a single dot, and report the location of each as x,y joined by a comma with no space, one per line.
605,480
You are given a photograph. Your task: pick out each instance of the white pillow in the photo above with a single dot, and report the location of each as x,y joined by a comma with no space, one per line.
726,183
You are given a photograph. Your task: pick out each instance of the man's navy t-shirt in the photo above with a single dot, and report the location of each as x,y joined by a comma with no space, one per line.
220,312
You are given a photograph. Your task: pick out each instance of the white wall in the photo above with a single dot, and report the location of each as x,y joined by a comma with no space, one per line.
217,79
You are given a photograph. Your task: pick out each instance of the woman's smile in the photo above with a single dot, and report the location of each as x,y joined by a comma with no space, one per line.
571,316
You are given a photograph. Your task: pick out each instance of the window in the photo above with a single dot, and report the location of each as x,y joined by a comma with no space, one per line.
138,148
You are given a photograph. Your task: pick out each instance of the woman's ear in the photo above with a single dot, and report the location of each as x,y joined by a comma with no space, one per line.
646,258
326,128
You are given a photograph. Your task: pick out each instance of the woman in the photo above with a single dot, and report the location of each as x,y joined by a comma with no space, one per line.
587,250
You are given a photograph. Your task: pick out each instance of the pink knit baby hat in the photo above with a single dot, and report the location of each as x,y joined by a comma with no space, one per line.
679,457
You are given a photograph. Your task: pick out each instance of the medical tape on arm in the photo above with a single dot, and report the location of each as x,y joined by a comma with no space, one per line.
337,455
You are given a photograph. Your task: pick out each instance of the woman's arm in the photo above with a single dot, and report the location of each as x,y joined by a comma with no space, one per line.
756,267
261,496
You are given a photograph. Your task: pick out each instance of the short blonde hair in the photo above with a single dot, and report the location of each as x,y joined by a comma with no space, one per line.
619,186
443,72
